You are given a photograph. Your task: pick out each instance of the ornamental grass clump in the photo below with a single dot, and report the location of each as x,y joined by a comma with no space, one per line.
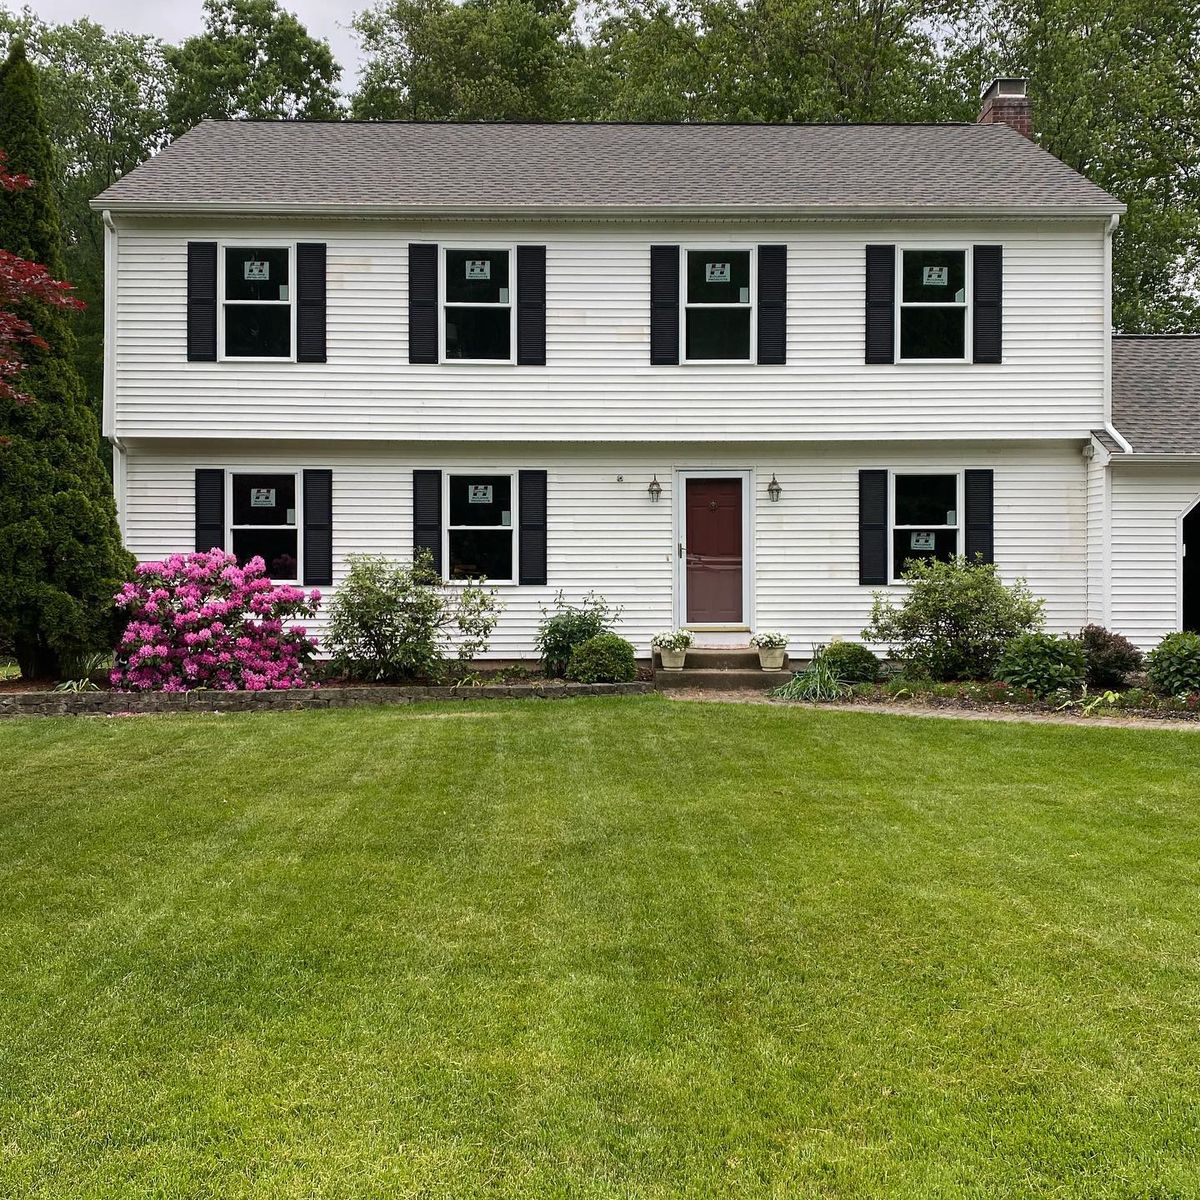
203,621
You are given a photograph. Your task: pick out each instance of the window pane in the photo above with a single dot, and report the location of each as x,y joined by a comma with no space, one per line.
933,333
477,333
256,274
477,276
480,500
264,500
911,544
935,276
718,333
926,500
478,554
276,547
258,331
718,276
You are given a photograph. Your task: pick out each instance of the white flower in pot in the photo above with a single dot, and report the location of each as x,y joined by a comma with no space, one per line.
672,648
772,650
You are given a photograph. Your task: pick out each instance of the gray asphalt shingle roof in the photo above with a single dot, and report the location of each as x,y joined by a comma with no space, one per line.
394,165
1156,393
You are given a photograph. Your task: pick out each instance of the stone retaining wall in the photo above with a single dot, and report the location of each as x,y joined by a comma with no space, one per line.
70,704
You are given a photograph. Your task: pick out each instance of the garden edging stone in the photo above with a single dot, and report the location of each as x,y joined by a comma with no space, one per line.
104,703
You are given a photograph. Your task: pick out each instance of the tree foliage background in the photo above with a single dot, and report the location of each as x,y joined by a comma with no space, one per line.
1114,86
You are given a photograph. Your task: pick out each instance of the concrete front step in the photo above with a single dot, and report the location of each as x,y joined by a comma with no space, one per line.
720,680
722,658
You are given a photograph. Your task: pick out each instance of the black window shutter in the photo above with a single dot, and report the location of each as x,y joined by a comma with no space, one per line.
531,306
310,302
872,526
772,304
532,550
664,305
422,303
318,528
978,488
210,509
881,304
202,301
987,325
427,515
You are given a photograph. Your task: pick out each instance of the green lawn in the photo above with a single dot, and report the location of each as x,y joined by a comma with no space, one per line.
627,948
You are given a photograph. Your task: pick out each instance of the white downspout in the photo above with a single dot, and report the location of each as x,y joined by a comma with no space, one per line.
1109,428
108,423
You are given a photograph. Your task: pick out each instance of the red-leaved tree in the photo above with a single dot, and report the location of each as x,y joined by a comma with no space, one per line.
23,282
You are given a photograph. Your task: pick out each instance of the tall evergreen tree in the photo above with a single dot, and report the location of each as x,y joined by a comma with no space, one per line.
61,557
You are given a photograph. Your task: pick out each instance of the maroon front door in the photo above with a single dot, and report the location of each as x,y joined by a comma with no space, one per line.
713,539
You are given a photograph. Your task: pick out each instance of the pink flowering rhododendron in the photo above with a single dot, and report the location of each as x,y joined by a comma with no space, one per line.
202,621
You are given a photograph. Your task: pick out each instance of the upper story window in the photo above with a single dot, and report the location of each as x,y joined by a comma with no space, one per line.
257,300
478,306
480,527
933,305
263,522
925,520
718,308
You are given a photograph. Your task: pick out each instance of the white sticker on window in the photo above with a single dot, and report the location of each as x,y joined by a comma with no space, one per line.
951,517
935,276
291,516
283,291
505,517
479,493
922,540
716,272
256,271
262,497
479,268
743,295
504,295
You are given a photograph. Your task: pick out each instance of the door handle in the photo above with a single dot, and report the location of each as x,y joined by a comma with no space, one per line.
681,550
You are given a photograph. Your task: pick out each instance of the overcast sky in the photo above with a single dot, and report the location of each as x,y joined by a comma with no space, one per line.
173,20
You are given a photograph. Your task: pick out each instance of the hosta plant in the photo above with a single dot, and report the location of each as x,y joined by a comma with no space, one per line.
203,621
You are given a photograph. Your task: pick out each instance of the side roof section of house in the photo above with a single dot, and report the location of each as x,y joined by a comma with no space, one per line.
1156,392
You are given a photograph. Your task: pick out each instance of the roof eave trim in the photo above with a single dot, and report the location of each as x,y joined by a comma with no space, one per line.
272,208
1148,456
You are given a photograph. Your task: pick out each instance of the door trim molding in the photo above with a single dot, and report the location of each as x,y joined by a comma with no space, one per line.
746,475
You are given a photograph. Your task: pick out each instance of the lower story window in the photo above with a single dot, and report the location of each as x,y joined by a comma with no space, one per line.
924,519
480,524
263,523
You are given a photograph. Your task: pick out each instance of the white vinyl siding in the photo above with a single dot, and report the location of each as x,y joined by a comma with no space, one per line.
605,534
1148,504
600,384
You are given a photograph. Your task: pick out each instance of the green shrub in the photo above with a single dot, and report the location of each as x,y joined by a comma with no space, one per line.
393,622
604,658
955,619
851,662
1111,658
566,626
1173,666
1043,662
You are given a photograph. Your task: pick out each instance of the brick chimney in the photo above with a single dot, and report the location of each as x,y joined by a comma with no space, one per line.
1006,102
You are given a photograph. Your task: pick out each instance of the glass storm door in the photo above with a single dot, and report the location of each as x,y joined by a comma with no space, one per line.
713,584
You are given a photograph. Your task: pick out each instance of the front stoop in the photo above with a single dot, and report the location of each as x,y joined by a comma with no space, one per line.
726,669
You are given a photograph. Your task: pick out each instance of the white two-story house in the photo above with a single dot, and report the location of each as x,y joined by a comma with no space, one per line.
733,378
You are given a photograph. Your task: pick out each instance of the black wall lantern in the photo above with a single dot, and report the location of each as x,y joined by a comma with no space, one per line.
654,490
774,490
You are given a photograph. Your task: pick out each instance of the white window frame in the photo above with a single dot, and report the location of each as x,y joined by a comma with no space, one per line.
684,306
222,303
966,306
296,474
894,528
443,304
513,525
